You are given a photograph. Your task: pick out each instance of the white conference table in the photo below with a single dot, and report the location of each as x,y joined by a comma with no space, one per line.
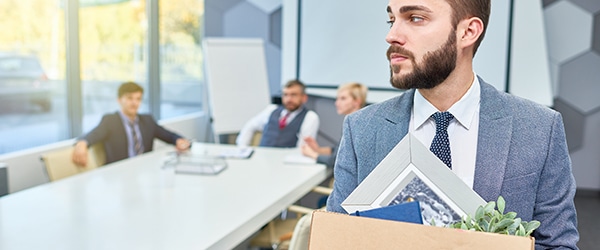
128,205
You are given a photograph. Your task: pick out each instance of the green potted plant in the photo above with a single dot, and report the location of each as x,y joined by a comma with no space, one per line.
489,219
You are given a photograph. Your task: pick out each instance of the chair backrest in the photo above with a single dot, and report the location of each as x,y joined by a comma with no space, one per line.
256,137
301,233
3,179
59,163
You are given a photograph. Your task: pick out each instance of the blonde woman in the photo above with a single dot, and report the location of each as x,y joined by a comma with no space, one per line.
350,97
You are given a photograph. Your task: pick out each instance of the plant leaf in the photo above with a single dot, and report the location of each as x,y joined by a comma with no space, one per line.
531,226
484,225
501,204
479,213
520,230
510,215
503,224
489,208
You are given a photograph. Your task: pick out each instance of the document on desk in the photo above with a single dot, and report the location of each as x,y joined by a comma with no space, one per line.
238,153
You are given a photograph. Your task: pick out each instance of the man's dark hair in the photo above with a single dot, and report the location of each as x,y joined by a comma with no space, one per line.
129,87
296,82
463,9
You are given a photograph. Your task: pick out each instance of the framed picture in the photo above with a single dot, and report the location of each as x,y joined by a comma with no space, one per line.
411,172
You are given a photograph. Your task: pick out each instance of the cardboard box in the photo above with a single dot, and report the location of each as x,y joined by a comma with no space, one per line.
341,231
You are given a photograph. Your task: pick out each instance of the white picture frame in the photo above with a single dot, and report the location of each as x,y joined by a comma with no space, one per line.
411,172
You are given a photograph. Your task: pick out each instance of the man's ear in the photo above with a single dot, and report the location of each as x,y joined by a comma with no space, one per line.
469,30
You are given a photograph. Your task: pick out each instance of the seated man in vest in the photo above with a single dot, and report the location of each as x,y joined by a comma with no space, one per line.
126,133
283,125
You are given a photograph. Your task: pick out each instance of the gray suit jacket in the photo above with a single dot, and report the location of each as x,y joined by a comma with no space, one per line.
521,154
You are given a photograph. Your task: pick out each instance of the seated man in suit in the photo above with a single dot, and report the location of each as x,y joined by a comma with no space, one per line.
126,133
283,125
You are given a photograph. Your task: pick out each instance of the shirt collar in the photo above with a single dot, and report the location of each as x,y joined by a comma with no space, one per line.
284,111
126,119
463,110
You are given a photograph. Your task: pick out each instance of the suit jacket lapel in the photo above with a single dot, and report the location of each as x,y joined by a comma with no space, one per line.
394,123
495,129
120,129
147,136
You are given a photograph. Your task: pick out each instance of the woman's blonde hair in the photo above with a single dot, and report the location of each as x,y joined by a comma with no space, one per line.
356,90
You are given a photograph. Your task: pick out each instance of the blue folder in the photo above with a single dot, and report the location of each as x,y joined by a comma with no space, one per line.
405,212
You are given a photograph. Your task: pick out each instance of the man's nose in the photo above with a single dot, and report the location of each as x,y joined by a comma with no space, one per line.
396,35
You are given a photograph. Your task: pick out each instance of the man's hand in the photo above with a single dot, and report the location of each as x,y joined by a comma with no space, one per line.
182,144
312,143
80,153
308,151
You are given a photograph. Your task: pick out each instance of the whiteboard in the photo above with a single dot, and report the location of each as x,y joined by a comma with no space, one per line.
236,79
335,48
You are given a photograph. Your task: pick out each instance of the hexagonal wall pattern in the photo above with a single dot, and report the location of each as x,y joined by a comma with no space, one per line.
574,121
213,16
596,33
267,6
578,82
574,50
245,20
591,6
586,159
562,47
573,38
249,19
222,5
545,3
554,73
275,27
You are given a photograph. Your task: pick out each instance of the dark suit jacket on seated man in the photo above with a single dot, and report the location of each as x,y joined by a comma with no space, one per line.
126,133
285,125
499,144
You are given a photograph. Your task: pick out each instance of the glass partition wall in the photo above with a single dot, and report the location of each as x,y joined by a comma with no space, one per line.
33,103
37,102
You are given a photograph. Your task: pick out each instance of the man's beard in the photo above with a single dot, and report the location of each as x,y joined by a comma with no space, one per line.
292,106
433,70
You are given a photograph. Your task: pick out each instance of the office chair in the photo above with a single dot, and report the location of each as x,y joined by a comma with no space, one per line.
289,233
59,165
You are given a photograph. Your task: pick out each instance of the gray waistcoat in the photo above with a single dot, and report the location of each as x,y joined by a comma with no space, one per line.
288,136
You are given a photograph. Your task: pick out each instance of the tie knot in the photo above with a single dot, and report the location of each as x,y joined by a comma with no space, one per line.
442,119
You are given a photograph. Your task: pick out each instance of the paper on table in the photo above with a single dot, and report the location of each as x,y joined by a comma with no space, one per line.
237,153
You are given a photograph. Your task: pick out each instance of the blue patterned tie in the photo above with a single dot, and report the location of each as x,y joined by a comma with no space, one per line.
440,146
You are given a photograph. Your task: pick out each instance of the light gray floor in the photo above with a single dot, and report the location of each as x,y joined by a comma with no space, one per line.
588,218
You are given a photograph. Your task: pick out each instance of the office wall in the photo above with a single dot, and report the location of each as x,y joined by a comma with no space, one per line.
334,47
249,19
25,169
574,51
572,31
573,48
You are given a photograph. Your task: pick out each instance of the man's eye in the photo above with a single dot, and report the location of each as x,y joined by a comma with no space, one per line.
390,22
416,19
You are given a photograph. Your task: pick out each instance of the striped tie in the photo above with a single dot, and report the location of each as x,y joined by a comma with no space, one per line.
440,146
137,145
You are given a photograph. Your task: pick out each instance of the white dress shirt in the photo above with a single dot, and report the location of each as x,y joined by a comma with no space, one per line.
462,130
309,127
